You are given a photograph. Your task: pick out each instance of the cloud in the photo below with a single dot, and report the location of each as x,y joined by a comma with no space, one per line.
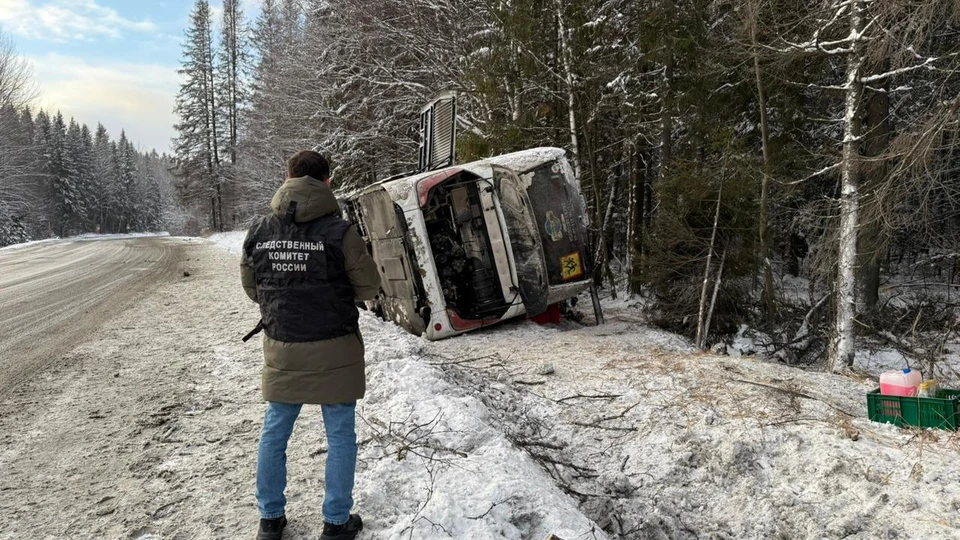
138,98
249,8
67,20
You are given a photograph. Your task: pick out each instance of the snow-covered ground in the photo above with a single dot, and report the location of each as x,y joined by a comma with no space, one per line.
433,463
149,430
935,353
231,241
82,237
648,438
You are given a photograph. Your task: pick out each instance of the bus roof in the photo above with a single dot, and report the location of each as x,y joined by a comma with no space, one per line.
518,161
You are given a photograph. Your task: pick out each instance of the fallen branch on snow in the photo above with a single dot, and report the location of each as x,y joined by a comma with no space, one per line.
794,393
587,396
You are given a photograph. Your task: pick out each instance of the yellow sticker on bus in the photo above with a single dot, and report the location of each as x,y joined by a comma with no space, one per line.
570,266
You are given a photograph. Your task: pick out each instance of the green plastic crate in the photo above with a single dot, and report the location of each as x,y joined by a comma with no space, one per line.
940,413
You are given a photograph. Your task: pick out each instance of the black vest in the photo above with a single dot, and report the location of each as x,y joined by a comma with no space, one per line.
302,285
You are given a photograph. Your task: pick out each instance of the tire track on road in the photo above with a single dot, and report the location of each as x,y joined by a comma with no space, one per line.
55,295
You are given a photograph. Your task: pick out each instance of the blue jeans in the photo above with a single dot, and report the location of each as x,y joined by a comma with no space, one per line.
340,423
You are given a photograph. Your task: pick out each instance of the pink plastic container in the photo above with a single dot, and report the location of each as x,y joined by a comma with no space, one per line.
902,382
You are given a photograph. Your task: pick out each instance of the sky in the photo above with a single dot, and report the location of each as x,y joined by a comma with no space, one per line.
108,61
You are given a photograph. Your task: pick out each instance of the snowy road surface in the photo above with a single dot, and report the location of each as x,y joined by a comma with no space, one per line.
55,294
148,430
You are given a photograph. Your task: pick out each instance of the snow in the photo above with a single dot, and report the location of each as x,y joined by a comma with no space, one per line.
231,241
905,289
435,456
876,362
683,443
795,290
83,237
510,432
748,342
14,247
526,159
439,458
480,52
686,442
93,236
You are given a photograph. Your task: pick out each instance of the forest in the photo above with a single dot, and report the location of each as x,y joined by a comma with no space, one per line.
787,166
60,178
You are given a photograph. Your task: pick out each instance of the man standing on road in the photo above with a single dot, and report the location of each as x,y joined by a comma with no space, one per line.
305,267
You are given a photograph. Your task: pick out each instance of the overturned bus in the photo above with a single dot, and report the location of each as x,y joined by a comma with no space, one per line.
470,245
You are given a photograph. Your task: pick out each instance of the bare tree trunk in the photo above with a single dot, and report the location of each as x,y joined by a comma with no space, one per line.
605,242
213,213
234,82
768,292
842,346
871,232
214,139
638,186
641,177
567,63
713,299
631,175
219,206
701,337
666,118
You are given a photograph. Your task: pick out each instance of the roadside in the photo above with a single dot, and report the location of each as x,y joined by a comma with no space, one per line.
54,294
657,440
83,237
149,430
653,439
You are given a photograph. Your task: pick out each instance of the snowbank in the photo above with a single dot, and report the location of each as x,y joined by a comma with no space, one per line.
83,237
94,236
14,247
231,241
666,442
435,463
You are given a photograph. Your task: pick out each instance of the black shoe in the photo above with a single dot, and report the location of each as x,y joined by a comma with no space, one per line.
347,531
272,529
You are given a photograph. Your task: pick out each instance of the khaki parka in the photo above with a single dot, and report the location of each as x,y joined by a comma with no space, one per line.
332,370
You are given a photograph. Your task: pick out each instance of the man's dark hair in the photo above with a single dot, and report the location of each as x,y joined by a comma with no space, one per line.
308,163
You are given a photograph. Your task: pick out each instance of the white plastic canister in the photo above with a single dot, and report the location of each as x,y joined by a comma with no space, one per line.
902,382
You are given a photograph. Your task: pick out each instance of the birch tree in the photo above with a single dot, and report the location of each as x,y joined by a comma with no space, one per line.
17,151
854,31
17,86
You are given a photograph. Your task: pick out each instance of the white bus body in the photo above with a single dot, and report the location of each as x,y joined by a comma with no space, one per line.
471,245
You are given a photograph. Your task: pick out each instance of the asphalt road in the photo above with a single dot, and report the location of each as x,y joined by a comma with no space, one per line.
54,295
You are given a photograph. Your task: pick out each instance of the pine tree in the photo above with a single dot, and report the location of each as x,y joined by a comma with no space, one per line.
16,162
102,179
127,183
67,197
58,178
117,197
197,143
233,58
150,212
266,114
88,182
75,177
